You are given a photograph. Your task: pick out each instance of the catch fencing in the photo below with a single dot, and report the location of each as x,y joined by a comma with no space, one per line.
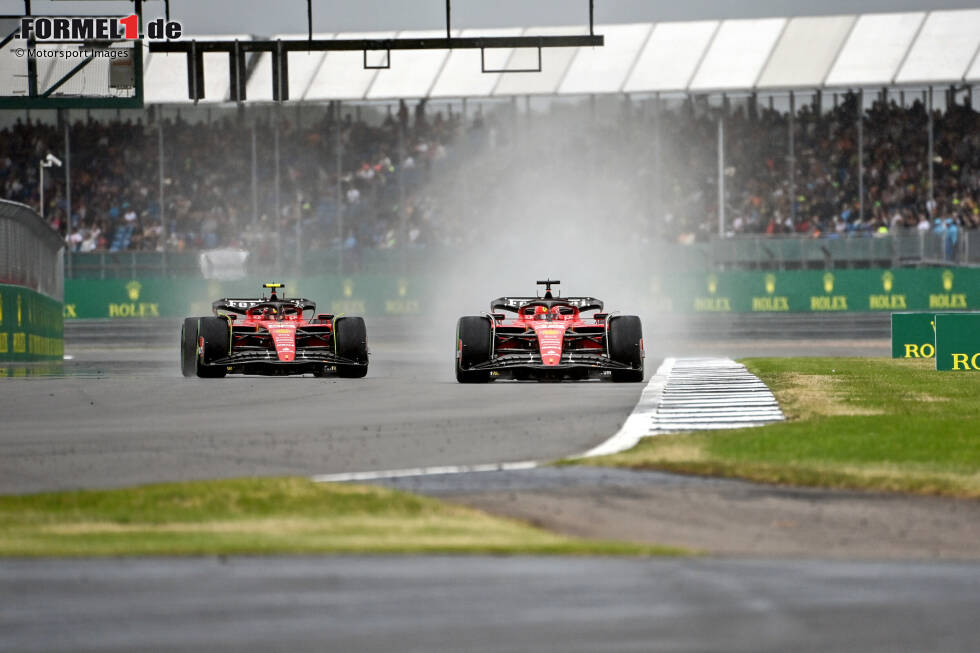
31,288
891,251
939,248
30,251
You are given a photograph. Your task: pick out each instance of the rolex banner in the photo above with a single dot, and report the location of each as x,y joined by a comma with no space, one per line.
806,291
958,342
798,291
151,298
913,335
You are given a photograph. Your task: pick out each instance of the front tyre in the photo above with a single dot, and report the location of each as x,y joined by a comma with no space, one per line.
350,342
625,335
473,340
216,335
188,347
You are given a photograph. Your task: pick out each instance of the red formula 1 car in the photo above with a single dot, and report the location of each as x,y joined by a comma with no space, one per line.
548,339
272,336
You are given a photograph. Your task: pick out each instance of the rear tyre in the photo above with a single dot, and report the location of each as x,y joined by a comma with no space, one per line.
473,336
217,338
188,347
350,341
626,346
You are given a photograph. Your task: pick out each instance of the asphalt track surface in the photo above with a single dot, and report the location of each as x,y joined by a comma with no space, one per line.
124,416
420,605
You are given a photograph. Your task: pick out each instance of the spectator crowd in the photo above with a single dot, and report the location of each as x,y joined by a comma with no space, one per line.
413,176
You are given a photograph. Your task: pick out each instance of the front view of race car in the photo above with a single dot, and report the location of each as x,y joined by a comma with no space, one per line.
273,336
548,338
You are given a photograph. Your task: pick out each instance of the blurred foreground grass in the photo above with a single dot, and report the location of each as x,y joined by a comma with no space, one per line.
269,516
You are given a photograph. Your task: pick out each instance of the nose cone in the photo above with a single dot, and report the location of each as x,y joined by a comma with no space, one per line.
284,337
551,337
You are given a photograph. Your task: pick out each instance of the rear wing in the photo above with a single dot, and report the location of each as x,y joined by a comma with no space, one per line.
514,304
240,305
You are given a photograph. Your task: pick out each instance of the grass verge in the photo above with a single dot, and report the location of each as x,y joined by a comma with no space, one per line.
876,424
269,516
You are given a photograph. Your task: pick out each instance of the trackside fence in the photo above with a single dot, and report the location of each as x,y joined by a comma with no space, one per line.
745,252
30,251
31,286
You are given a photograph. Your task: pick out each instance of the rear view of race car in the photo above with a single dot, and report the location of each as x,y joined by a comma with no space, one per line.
272,336
548,338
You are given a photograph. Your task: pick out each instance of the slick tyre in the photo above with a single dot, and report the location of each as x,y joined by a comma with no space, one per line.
626,346
472,348
188,347
217,337
350,341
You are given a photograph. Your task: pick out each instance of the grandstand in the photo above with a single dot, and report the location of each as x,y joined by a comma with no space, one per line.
800,142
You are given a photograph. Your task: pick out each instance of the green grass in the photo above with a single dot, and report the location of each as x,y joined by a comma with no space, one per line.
269,516
877,424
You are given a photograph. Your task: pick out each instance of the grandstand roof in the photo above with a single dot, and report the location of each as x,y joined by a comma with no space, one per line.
741,55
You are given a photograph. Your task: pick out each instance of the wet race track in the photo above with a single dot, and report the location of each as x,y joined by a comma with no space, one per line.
118,416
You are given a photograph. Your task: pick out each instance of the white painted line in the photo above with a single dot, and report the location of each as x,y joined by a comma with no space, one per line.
712,410
708,418
700,416
680,427
637,424
422,471
682,395
708,401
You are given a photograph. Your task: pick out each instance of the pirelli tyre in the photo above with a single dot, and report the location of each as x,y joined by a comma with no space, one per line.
215,337
473,336
188,347
625,335
350,342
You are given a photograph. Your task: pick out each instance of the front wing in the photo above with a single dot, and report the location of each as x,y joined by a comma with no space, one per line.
304,358
532,360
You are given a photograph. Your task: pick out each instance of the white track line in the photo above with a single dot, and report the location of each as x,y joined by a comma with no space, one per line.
684,394
423,471
622,440
637,424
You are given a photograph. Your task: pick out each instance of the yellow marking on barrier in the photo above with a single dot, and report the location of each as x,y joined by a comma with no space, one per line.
968,362
926,350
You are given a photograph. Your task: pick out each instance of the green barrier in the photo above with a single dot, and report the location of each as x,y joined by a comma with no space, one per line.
958,342
798,291
913,335
31,326
814,291
150,298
